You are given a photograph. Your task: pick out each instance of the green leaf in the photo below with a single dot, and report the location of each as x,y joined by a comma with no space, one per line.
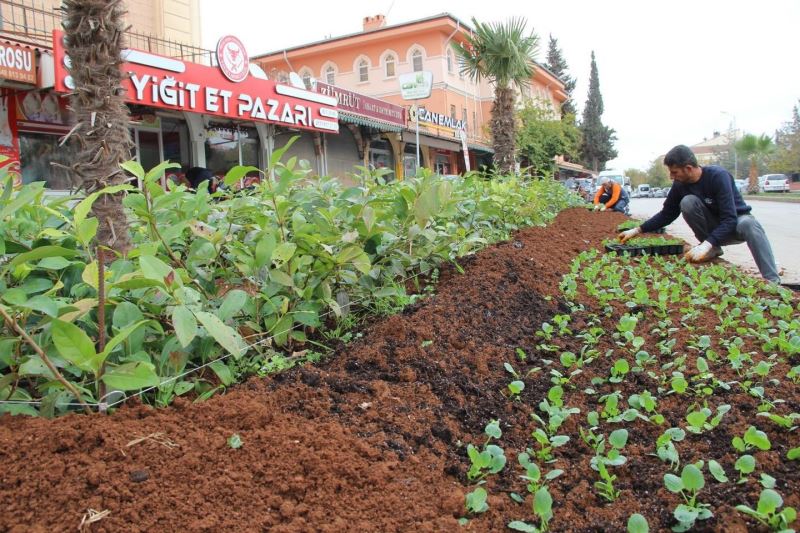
15,296
53,263
685,514
226,336
284,252
638,524
235,441
233,303
696,419
516,387
281,277
264,250
543,503
476,501
518,525
362,263
793,454
493,429
238,172
85,205
692,478
42,252
158,171
673,483
91,275
133,167
185,325
131,376
74,345
745,464
769,501
618,438
223,372
42,304
87,230
119,338
717,471
757,438
154,268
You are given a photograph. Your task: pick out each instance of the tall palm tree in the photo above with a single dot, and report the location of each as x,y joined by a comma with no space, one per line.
755,149
94,32
503,54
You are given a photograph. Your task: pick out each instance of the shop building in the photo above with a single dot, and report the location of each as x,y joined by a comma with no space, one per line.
370,62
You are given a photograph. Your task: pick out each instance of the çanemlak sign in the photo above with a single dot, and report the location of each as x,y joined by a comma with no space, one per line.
170,83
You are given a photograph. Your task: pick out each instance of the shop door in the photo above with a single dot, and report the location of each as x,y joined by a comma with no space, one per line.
147,147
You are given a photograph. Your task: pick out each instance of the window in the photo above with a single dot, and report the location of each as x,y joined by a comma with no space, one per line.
363,70
449,61
390,66
307,79
453,112
38,151
330,76
416,60
474,120
464,116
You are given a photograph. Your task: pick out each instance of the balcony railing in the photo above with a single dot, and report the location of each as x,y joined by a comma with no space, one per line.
35,25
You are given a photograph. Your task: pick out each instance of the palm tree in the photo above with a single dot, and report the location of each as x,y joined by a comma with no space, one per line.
755,149
504,55
94,31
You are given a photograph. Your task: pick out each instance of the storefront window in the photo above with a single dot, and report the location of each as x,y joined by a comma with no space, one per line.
410,160
37,153
442,165
175,137
228,147
381,156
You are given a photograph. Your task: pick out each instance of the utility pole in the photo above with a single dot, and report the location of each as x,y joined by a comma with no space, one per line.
735,155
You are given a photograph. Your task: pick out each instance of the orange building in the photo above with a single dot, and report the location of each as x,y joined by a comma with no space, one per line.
370,62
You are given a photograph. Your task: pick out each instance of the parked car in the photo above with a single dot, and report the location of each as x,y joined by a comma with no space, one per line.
643,191
665,192
774,183
741,185
655,192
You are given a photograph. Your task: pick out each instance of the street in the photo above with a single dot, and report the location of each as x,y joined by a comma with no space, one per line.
778,219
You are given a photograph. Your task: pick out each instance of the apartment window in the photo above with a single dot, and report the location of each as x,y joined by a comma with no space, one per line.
464,115
307,79
330,76
363,70
450,61
416,60
474,120
453,112
390,60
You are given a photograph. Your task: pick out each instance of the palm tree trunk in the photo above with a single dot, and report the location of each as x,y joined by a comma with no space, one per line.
503,128
94,32
752,185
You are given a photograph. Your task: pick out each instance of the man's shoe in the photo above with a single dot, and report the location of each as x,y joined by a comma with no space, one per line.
716,251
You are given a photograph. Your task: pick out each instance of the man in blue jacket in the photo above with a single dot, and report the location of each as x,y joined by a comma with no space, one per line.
713,207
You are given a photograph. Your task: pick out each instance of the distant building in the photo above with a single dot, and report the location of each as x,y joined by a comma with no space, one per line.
369,63
711,151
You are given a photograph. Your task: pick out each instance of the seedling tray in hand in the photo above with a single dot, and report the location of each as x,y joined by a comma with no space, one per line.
647,245
630,224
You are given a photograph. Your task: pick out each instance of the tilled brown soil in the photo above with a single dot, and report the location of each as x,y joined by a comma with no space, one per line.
374,440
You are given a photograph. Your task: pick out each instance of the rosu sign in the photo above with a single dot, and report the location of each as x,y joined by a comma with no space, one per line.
169,83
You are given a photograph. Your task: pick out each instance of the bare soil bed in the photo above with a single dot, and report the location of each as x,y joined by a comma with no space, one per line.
375,439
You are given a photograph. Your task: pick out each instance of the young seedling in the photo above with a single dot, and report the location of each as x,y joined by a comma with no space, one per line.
768,511
745,465
700,421
542,508
638,524
753,438
476,501
647,403
688,485
619,371
605,487
666,450
717,471
491,459
617,439
533,474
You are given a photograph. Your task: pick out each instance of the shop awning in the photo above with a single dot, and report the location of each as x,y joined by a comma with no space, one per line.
480,147
369,122
433,142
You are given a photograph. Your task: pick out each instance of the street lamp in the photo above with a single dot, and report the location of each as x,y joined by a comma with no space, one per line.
735,155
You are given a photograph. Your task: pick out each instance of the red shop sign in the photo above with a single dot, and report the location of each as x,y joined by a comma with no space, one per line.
170,83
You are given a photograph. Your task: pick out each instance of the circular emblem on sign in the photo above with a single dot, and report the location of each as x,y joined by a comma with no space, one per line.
412,113
232,58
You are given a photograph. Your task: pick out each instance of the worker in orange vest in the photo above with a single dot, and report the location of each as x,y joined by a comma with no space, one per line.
611,195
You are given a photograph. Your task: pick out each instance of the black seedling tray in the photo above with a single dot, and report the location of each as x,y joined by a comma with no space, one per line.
664,249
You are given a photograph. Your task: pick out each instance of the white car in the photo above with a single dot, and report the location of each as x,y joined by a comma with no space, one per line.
774,183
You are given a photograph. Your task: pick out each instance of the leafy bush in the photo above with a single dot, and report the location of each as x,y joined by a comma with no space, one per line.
222,281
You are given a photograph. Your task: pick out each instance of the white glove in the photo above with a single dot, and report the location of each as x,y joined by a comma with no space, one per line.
596,207
629,234
699,253
603,208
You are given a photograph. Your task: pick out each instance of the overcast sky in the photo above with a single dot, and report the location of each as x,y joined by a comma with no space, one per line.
668,68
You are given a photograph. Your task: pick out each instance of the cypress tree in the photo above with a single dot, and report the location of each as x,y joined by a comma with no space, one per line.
558,66
598,140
